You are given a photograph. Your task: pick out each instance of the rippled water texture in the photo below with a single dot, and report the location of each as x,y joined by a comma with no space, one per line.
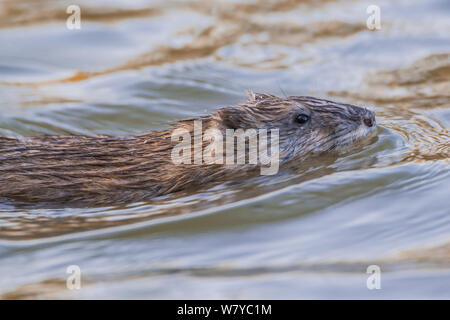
137,65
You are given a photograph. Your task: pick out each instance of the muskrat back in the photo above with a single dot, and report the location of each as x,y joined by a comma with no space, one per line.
104,170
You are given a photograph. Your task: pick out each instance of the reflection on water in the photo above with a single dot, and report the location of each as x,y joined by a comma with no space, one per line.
310,231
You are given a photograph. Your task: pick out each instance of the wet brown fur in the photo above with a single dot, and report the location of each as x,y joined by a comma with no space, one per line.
104,170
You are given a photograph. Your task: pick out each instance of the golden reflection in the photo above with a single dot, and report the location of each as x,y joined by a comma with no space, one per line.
424,84
232,21
437,257
23,13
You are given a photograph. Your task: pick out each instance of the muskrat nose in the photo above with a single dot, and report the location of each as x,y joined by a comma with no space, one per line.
369,119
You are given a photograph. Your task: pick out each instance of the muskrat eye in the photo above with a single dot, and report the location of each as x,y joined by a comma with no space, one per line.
368,122
302,118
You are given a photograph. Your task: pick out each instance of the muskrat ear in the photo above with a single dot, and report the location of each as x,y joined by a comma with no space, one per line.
259,96
251,95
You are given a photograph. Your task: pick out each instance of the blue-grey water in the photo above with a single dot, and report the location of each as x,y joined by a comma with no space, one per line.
136,66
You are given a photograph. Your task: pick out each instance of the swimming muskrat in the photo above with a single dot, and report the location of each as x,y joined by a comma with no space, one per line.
105,170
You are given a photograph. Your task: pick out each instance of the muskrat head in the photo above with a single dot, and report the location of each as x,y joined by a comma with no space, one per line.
306,125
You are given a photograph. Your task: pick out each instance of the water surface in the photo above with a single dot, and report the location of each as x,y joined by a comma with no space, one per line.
137,65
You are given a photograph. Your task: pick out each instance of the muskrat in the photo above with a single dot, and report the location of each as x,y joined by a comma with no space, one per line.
105,170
